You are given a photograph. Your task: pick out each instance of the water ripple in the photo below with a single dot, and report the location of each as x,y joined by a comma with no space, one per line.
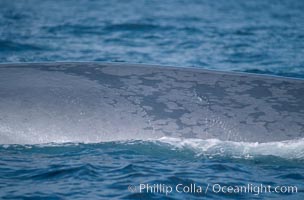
253,36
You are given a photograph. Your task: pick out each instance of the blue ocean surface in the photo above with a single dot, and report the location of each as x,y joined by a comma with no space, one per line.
265,37
262,36
115,170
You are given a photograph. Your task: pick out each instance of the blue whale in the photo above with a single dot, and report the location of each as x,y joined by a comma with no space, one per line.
96,102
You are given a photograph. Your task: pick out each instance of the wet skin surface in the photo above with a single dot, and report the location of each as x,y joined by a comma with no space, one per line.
102,102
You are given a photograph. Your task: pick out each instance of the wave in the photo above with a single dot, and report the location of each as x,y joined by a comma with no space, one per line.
289,149
181,148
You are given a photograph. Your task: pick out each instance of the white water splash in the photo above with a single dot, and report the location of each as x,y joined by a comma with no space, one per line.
290,149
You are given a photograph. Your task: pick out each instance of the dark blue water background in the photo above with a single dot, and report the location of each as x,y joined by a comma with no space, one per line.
261,36
249,36
105,170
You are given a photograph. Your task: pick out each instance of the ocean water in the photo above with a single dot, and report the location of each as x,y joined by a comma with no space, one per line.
249,36
260,36
116,170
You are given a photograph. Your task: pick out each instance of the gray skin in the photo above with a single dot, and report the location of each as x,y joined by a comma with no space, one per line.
94,102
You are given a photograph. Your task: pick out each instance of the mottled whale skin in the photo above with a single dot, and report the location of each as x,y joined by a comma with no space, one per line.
94,102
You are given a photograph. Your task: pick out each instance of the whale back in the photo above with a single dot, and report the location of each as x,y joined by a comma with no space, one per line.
95,102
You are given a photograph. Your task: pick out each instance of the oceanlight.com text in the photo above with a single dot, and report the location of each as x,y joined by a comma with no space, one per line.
254,189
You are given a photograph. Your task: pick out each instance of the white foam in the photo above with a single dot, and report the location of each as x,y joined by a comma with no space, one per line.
290,149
